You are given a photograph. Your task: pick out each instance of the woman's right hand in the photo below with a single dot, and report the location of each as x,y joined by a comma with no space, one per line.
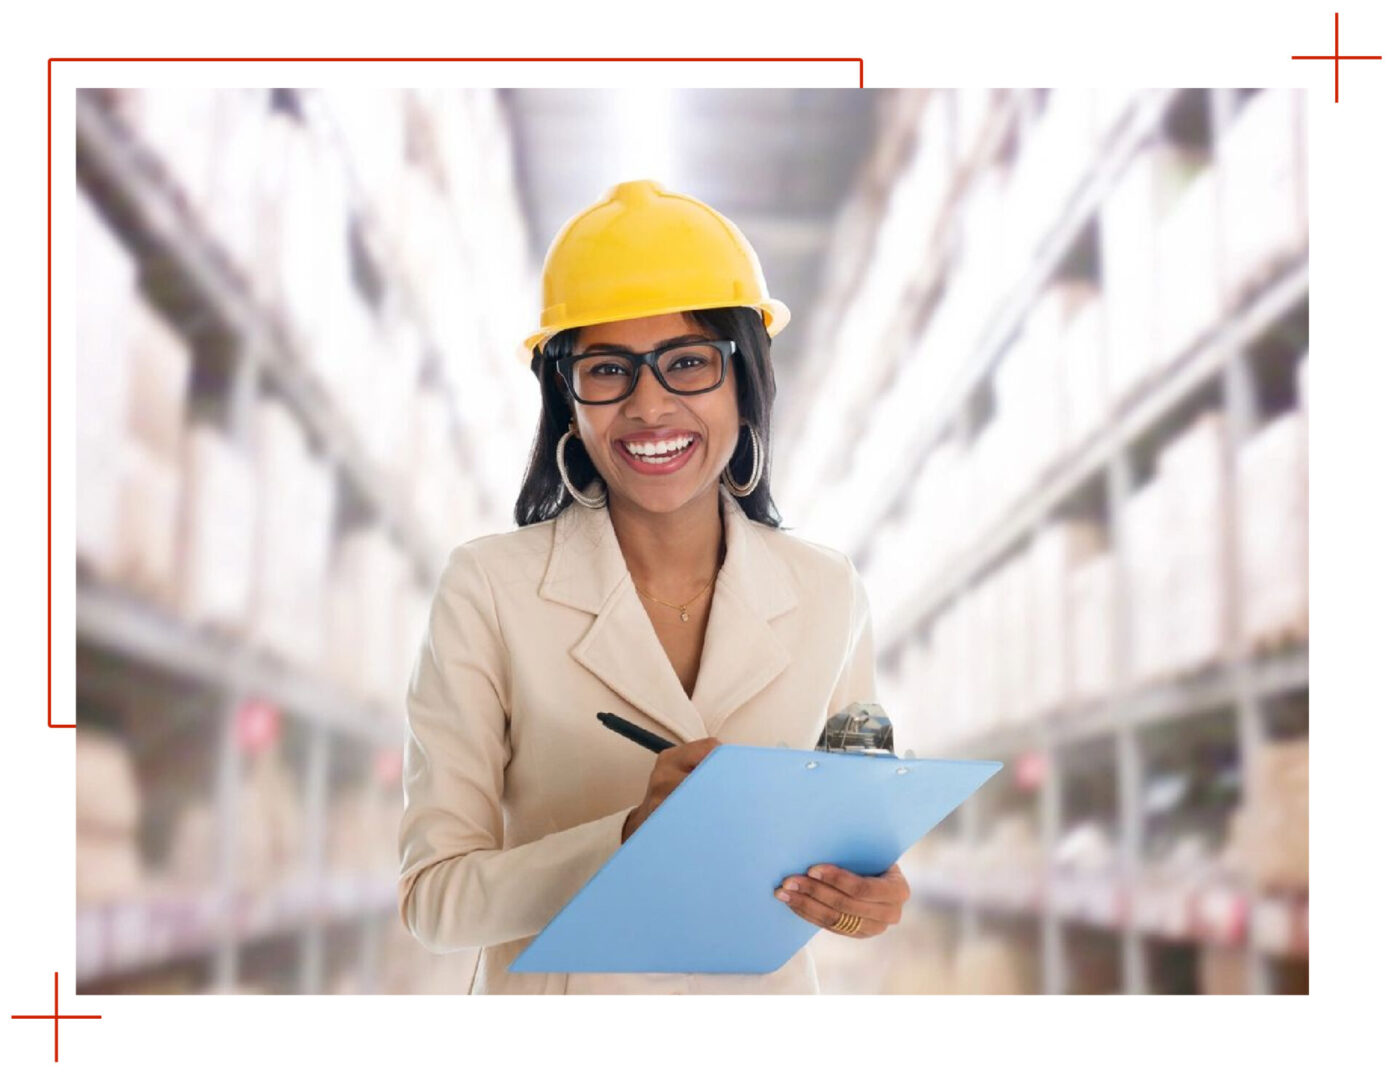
671,767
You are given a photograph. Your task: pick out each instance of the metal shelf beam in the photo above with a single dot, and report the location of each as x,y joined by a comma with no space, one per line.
113,621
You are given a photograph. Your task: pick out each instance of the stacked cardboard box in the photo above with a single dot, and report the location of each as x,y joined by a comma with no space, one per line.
1133,239
1083,363
179,125
990,663
217,521
133,374
1093,606
1176,547
362,833
1048,569
1269,834
995,964
192,860
1273,517
1263,213
271,822
1049,164
1147,563
1196,597
1015,640
924,949
1188,280
270,831
240,121
365,628
295,516
108,816
158,371
106,283
1222,970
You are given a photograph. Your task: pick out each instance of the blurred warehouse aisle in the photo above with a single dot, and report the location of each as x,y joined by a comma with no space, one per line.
1048,390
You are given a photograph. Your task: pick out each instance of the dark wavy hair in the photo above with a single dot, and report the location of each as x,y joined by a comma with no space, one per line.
543,496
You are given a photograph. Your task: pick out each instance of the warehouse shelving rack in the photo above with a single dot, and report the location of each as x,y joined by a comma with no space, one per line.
1241,685
207,297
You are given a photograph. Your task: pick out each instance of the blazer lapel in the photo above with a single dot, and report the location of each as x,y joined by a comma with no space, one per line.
741,653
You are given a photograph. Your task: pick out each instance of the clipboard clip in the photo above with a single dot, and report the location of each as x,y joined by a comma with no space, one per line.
859,728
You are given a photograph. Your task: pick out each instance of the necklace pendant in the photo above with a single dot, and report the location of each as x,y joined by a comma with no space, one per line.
683,615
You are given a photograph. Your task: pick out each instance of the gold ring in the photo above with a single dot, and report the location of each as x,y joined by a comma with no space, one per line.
848,924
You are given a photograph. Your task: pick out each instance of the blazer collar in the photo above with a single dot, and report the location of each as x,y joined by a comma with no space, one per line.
741,653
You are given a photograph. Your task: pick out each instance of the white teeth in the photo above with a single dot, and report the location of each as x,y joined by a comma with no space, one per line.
669,446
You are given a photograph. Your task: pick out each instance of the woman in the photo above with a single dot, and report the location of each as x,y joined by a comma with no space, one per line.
645,579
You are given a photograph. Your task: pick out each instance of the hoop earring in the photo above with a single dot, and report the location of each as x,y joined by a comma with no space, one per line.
743,490
591,504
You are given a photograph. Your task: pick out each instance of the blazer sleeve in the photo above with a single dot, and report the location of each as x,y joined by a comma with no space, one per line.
457,887
857,680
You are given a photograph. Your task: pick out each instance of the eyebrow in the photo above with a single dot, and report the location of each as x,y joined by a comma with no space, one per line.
684,339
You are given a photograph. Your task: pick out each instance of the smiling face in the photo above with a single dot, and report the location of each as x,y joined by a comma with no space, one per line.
653,415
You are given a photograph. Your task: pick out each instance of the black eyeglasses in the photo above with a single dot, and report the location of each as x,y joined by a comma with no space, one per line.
603,378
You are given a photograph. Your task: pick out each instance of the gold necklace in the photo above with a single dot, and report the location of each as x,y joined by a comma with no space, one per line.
683,613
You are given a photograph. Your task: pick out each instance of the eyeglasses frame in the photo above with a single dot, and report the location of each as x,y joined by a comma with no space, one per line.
727,348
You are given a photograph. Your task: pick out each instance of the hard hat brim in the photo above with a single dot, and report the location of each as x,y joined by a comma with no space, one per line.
775,316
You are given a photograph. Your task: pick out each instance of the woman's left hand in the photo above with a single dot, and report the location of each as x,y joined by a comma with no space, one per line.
825,893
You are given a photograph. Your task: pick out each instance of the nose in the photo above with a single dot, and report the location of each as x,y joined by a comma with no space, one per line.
649,398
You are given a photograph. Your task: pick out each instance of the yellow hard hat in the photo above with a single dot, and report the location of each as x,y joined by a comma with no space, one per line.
644,250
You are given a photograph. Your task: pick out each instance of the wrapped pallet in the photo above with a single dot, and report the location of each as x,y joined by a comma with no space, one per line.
278,450
988,663
1191,468
192,860
1083,368
106,283
295,515
972,106
160,369
371,575
1047,561
1015,640
1094,658
413,605
281,138
1147,562
1273,516
1222,970
1188,280
108,816
353,832
148,522
178,124
1261,170
993,964
241,119
271,824
1270,831
310,253
1131,221
218,517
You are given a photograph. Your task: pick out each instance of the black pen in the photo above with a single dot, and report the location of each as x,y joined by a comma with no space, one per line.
635,734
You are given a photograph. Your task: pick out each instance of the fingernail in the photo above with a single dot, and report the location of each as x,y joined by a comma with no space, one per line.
793,885
817,873
782,894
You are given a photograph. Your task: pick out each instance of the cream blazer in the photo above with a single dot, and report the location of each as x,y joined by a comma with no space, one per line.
515,794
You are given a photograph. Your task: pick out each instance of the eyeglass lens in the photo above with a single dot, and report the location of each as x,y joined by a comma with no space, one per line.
685,369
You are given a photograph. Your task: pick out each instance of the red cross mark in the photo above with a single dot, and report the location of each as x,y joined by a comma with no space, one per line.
1336,57
55,1017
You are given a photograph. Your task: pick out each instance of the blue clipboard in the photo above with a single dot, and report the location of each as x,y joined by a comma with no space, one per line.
693,889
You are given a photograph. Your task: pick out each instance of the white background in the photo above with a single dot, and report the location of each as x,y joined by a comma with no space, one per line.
990,43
